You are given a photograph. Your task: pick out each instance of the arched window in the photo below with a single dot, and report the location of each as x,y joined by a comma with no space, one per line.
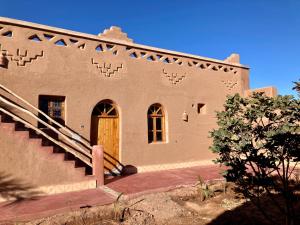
156,123
104,109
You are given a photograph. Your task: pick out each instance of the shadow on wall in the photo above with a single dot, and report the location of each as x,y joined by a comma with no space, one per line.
16,190
249,214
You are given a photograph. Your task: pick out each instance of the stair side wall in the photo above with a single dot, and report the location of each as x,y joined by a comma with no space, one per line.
27,162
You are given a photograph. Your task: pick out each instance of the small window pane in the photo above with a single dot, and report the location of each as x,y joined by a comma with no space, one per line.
57,113
56,104
150,124
44,106
108,107
158,123
158,136
101,108
113,112
105,109
150,136
159,112
53,106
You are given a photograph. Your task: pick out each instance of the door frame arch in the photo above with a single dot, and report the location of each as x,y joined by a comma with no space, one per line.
106,112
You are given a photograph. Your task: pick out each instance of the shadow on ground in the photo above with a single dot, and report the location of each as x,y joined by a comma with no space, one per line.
249,214
126,171
15,190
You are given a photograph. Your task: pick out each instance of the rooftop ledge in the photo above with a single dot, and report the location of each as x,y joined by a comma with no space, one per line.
230,61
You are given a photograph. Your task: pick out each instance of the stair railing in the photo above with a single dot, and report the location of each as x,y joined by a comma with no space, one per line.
83,154
39,131
69,131
77,143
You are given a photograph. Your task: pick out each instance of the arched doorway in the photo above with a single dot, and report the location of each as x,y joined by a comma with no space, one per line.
105,131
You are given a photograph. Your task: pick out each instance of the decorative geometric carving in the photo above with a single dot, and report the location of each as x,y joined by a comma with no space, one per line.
50,36
229,84
115,33
155,57
3,51
57,40
173,78
60,42
35,38
21,57
108,69
5,32
211,66
3,61
104,47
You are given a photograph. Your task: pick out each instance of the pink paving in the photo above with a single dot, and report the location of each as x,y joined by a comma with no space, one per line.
53,204
142,183
131,186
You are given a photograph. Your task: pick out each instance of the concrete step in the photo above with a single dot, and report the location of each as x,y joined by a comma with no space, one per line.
42,144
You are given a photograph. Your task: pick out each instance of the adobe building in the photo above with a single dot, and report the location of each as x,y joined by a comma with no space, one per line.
148,107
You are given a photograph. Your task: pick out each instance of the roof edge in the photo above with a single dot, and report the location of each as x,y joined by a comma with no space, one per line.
95,37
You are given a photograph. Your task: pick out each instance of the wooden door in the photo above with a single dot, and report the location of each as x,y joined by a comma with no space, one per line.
108,137
105,132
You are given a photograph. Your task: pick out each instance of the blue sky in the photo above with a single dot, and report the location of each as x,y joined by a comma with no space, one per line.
266,33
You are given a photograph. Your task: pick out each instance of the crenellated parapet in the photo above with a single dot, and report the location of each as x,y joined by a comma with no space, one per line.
111,55
112,40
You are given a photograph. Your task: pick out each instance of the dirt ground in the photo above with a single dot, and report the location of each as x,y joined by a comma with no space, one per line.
183,206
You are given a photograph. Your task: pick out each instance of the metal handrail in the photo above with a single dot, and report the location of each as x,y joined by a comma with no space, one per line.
39,131
46,124
76,147
73,142
46,116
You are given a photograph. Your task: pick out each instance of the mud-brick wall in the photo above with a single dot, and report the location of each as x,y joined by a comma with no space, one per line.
24,160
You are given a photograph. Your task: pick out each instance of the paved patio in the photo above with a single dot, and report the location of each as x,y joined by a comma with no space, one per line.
131,186
142,183
53,204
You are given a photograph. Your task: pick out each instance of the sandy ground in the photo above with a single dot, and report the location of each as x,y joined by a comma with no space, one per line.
179,206
183,206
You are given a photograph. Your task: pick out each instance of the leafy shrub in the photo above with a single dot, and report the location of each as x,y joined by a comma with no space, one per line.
258,139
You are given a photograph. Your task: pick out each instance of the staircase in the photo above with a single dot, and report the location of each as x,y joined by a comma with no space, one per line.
68,157
43,144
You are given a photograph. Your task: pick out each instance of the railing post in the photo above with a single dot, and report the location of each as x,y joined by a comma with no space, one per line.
98,164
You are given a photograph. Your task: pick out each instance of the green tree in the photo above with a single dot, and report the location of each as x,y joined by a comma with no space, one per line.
297,87
258,140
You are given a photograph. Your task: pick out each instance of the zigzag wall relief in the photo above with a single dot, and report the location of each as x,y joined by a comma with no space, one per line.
108,69
181,61
64,41
5,32
132,52
173,78
21,57
76,41
104,47
3,51
25,58
229,84
57,40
